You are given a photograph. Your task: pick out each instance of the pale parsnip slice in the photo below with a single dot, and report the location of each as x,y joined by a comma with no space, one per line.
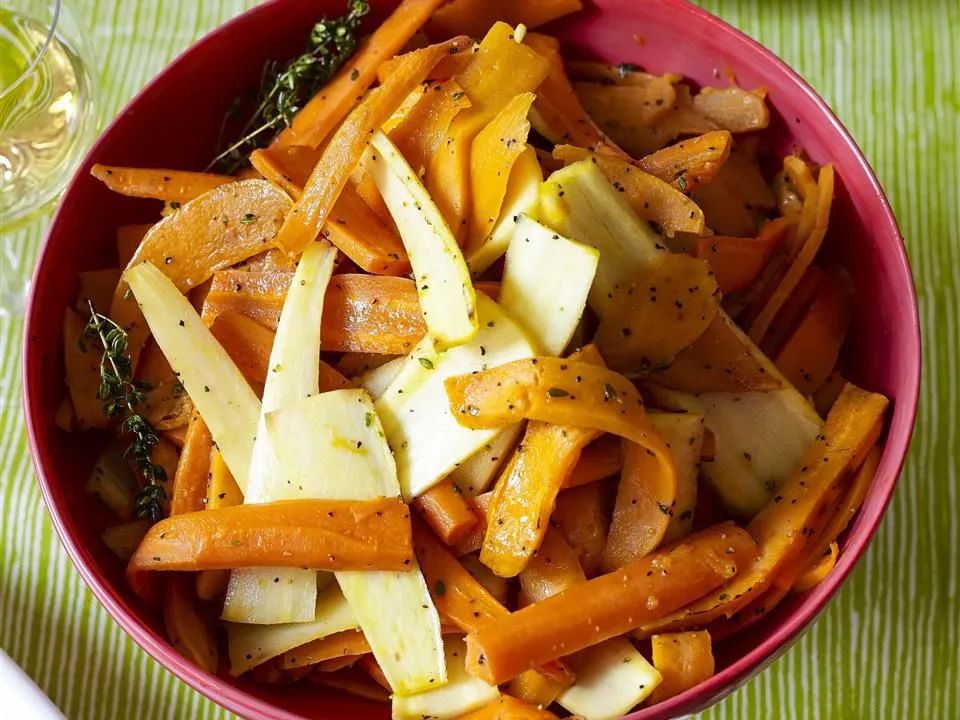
546,280
250,645
426,439
332,445
284,595
683,434
612,677
522,198
579,202
377,381
760,436
218,389
447,298
475,474
462,694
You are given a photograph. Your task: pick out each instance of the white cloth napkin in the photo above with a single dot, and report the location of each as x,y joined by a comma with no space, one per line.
21,697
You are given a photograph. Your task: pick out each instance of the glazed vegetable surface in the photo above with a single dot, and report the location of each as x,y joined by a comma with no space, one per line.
485,381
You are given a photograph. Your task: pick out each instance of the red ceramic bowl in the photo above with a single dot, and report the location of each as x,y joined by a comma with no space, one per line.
174,122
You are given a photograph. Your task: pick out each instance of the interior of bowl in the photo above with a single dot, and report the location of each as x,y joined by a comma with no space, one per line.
174,123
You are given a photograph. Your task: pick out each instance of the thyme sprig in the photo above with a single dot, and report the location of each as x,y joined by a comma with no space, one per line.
120,394
284,88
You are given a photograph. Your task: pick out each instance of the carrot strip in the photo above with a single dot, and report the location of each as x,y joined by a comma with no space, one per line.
212,584
812,350
734,108
342,154
524,495
493,153
368,663
351,681
720,360
501,69
826,395
216,230
474,540
598,460
458,596
222,489
324,111
419,134
189,631
167,404
737,261
811,245
535,689
609,605
553,569
690,162
96,286
792,311
548,389
158,183
321,534
640,517
445,510
818,571
342,644
509,708
793,520
190,482
562,118
177,436
582,516
683,660
129,238
352,226
659,314
651,197
361,313
476,17
248,343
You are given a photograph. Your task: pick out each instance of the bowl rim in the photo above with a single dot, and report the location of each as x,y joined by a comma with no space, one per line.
714,688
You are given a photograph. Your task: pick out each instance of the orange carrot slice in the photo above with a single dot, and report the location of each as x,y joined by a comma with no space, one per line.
609,605
315,120
190,482
346,146
683,659
158,183
445,510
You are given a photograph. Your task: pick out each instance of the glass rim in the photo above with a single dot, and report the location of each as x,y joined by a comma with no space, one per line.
41,51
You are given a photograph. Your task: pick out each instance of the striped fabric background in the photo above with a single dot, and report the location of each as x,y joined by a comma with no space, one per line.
888,647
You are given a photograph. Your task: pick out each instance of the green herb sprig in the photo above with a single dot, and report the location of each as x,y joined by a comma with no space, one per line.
120,395
284,88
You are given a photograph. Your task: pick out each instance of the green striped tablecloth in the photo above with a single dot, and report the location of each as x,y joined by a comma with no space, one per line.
889,647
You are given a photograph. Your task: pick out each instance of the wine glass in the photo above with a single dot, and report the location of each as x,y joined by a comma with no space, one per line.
48,117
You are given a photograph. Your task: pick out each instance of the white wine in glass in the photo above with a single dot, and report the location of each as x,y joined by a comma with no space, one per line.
48,115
